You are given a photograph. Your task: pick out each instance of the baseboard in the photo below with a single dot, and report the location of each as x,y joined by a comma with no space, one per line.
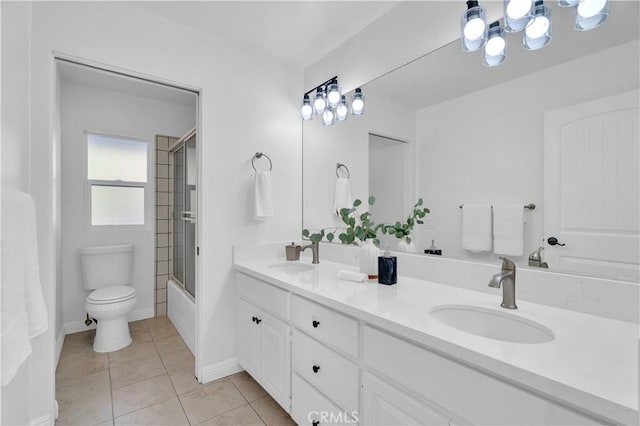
220,370
59,344
78,326
43,421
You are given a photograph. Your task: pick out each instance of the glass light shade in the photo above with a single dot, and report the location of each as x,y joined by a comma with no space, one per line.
342,110
495,51
517,14
473,27
306,110
538,33
357,103
568,3
591,14
327,117
333,95
319,103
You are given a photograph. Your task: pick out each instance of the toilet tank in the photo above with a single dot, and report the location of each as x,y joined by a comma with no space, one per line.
106,266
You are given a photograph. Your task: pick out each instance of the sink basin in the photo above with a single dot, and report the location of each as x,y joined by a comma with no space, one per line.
492,324
292,267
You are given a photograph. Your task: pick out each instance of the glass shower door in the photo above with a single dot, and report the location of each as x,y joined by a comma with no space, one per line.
185,202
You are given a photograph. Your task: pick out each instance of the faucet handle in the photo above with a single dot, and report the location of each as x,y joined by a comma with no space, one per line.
507,264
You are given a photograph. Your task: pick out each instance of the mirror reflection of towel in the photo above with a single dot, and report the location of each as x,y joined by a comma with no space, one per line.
476,227
264,195
508,229
342,196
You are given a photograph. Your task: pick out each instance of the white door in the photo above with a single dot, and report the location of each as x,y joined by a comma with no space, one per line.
249,333
591,187
276,359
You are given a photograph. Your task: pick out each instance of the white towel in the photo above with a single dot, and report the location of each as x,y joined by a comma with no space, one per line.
24,313
476,227
264,195
508,229
342,196
353,276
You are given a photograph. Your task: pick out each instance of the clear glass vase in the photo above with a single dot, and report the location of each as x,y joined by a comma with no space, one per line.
368,256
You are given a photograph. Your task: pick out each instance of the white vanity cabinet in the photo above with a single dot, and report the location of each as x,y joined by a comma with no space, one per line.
263,339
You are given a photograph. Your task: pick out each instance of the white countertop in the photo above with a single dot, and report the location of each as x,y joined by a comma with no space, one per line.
592,363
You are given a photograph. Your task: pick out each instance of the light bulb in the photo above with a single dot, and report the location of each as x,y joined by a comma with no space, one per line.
538,27
333,95
319,103
538,33
517,9
341,109
590,8
591,14
495,50
357,104
473,27
306,111
517,14
327,117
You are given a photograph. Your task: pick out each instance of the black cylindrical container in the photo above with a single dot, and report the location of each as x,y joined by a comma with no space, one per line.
387,270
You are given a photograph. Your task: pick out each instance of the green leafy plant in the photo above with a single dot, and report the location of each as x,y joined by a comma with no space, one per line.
403,230
316,237
359,225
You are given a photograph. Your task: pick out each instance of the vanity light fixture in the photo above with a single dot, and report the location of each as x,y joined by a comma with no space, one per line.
591,14
568,3
473,27
538,33
517,15
329,103
495,51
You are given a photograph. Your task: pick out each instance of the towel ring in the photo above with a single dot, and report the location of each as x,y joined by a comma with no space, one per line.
338,165
260,155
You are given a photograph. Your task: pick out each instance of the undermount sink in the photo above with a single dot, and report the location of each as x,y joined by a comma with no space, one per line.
492,324
292,267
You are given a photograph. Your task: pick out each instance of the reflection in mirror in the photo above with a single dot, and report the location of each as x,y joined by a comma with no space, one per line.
557,127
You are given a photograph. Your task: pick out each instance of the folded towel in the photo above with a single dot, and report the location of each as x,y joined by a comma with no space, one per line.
24,313
342,196
352,276
508,229
264,195
476,227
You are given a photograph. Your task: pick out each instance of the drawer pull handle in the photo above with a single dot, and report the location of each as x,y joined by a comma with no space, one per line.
258,320
316,368
315,423
315,323
254,319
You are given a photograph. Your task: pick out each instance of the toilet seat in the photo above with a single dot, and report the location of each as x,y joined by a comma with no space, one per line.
107,295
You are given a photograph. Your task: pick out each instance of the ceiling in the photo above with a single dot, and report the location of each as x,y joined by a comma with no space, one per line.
448,72
298,31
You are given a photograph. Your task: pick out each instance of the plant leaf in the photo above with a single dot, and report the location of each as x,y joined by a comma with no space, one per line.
408,240
372,200
330,236
356,203
305,232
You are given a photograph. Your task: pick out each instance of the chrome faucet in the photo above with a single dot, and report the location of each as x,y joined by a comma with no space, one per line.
315,248
535,259
507,278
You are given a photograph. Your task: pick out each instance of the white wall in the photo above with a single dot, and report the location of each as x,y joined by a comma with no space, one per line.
126,37
497,155
92,109
348,143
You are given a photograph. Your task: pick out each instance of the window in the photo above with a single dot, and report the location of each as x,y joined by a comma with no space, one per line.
117,178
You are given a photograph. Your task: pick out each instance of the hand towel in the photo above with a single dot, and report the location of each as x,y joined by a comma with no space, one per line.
24,313
476,227
264,195
342,196
352,276
508,229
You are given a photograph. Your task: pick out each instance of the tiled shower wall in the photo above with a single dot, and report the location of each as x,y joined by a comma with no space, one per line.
164,207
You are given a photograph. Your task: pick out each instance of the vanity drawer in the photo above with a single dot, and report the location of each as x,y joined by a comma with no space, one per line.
452,386
266,296
326,325
310,407
330,372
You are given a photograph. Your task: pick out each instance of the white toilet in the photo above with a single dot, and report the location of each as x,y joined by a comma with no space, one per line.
107,271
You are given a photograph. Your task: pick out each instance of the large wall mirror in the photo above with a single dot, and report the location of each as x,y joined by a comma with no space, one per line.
556,127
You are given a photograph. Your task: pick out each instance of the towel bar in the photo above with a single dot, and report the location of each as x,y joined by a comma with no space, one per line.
338,165
529,206
260,155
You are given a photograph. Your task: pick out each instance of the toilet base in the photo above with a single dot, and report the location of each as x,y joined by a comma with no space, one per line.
112,335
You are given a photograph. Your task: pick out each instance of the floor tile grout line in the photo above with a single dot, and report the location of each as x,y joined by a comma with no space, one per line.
113,413
248,402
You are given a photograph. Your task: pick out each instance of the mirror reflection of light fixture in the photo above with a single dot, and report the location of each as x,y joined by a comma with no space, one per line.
538,34
473,27
357,104
517,14
329,102
495,51
591,14
306,110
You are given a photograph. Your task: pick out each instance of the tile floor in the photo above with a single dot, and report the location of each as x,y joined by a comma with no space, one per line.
151,382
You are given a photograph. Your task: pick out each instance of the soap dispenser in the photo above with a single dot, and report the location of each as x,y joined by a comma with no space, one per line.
387,268
433,249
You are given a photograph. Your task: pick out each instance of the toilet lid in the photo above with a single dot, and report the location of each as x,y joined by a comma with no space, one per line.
112,294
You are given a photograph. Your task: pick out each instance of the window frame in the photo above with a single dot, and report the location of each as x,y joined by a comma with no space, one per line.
148,186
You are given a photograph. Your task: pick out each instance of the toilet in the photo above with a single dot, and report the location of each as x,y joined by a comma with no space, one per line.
107,271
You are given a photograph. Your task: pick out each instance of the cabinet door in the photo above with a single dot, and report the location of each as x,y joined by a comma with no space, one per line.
276,359
385,405
249,338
